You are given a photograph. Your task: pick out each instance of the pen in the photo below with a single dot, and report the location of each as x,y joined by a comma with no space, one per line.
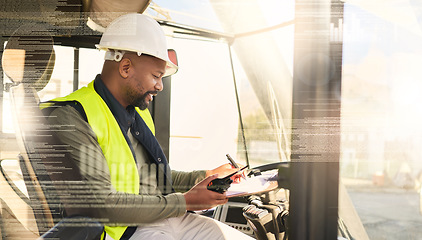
234,164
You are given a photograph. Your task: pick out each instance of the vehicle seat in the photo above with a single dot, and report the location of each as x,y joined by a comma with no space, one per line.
48,172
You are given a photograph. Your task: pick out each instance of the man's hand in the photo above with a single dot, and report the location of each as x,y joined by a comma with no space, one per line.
225,170
200,198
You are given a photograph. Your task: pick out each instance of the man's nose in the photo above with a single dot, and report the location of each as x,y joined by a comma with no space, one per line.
159,85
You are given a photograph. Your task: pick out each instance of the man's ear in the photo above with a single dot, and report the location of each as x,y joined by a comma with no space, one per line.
124,67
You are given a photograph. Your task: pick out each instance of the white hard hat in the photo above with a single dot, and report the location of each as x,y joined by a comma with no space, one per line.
138,33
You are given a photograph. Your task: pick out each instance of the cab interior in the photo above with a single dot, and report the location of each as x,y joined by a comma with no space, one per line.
264,81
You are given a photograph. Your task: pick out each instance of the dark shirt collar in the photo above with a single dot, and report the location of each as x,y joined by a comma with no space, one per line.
125,117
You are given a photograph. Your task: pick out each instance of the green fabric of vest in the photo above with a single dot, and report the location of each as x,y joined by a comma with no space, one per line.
123,170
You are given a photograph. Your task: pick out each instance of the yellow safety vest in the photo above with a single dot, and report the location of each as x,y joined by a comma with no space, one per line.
123,170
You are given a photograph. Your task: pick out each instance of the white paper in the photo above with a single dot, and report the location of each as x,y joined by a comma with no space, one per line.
251,185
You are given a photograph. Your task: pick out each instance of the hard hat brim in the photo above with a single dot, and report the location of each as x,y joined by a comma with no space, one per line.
171,68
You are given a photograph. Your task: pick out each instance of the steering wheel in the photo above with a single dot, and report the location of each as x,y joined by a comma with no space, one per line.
283,172
268,167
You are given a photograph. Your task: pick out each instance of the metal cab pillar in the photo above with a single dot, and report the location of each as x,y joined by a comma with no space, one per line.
316,120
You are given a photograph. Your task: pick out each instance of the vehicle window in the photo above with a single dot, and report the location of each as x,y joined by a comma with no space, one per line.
204,111
90,64
381,114
61,82
265,96
203,115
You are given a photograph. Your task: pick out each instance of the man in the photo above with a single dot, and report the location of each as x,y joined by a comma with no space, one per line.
110,134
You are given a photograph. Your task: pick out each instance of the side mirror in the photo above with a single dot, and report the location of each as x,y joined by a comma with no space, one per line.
173,56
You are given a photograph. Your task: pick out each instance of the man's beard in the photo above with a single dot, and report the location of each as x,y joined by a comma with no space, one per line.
140,101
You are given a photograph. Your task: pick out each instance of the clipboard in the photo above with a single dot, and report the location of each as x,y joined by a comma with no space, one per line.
253,185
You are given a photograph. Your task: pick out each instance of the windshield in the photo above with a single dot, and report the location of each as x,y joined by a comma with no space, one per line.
251,90
380,103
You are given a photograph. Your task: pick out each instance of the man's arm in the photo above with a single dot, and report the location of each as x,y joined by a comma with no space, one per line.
112,206
183,181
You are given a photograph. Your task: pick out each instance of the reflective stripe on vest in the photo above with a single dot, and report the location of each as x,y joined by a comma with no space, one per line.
123,170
